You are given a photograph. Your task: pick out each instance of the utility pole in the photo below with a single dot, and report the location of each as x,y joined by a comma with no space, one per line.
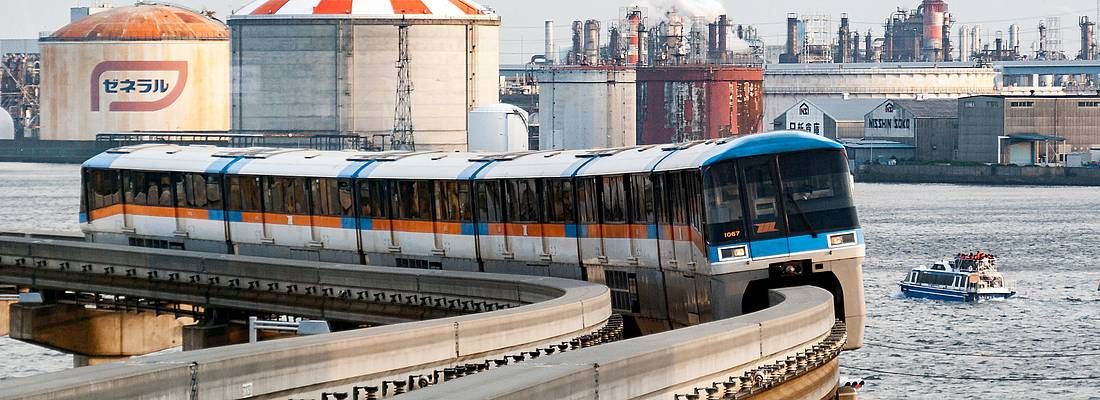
402,138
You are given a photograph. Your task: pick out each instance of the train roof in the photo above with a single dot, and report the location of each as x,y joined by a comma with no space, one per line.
456,165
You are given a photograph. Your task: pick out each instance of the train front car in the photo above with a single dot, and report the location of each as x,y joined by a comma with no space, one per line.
778,212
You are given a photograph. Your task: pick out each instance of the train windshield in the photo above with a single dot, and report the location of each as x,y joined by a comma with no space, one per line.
770,197
817,192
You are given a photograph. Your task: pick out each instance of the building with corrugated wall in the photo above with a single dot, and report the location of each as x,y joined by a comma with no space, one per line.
694,102
1025,130
832,118
330,67
930,126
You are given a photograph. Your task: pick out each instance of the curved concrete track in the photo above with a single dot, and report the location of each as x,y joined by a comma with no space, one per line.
548,311
786,351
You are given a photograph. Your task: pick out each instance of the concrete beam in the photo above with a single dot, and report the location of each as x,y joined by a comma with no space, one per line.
96,335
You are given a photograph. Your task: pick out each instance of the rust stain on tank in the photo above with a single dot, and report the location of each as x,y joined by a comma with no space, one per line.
142,22
696,102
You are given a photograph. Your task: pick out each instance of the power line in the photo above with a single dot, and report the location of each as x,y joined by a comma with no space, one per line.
978,378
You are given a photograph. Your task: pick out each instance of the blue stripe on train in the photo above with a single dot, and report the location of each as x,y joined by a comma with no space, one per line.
787,245
102,160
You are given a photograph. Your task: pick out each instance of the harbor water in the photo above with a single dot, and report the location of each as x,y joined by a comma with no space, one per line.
1043,343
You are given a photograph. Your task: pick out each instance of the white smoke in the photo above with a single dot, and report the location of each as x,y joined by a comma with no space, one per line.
688,8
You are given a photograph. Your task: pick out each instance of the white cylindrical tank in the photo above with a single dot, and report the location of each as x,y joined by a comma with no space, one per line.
7,126
146,67
498,128
329,67
587,107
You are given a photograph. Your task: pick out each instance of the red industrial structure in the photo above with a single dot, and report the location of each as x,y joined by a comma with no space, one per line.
692,102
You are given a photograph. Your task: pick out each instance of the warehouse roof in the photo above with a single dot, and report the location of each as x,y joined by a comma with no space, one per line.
841,110
382,8
141,22
930,108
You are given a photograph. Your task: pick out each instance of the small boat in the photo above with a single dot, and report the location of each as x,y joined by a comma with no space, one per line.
969,277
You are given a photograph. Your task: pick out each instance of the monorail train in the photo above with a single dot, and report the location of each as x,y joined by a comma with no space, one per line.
682,233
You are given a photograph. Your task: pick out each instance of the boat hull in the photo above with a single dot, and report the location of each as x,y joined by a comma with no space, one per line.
925,292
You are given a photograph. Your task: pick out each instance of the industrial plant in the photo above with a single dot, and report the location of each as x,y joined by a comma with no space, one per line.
429,76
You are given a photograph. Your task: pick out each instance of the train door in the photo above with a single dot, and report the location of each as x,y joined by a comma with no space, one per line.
589,231
768,230
560,230
244,211
453,228
523,232
200,207
376,235
491,226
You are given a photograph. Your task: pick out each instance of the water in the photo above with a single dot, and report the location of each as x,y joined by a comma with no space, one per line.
1047,239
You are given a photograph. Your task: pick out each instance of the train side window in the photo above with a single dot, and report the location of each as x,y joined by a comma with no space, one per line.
103,189
588,202
285,195
374,199
244,193
198,191
489,202
641,199
558,201
412,200
452,201
676,200
523,201
326,197
694,192
147,188
613,200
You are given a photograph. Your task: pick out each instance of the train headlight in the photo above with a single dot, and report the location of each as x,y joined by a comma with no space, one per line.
732,253
842,239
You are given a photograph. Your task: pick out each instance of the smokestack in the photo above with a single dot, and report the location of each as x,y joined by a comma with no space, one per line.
843,36
634,20
791,55
551,50
1088,39
712,42
1014,39
998,46
741,32
855,47
946,52
578,42
592,42
723,32
643,45
964,43
869,47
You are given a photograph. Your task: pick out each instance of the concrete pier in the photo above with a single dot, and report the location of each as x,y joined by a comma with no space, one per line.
5,315
95,336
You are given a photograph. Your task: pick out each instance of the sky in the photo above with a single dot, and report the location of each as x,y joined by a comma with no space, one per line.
522,20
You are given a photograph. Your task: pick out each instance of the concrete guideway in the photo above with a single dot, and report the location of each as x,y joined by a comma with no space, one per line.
795,339
530,312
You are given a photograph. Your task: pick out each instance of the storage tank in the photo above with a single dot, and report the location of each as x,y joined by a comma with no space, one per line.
146,67
697,102
498,128
329,67
7,126
587,107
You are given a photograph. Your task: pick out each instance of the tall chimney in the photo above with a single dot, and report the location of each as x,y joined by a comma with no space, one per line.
791,55
723,37
843,36
578,38
855,47
869,47
551,50
1088,39
712,42
592,42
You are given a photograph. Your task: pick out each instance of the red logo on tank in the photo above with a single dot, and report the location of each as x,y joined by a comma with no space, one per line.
142,86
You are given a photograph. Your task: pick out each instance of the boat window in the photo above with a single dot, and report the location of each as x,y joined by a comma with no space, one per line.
283,195
762,195
817,191
412,200
374,197
613,200
147,188
523,201
641,199
559,201
103,189
721,197
453,201
332,197
489,202
936,279
588,200
244,193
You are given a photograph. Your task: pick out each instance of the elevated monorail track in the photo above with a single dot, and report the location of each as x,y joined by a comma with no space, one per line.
478,325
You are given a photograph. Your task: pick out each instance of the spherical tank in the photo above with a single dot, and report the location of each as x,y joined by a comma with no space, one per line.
146,67
7,126
331,67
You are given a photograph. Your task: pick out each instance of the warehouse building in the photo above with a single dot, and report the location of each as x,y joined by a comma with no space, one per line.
1027,130
931,126
832,118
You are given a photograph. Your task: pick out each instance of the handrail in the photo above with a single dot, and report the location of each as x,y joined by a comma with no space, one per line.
547,310
665,364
